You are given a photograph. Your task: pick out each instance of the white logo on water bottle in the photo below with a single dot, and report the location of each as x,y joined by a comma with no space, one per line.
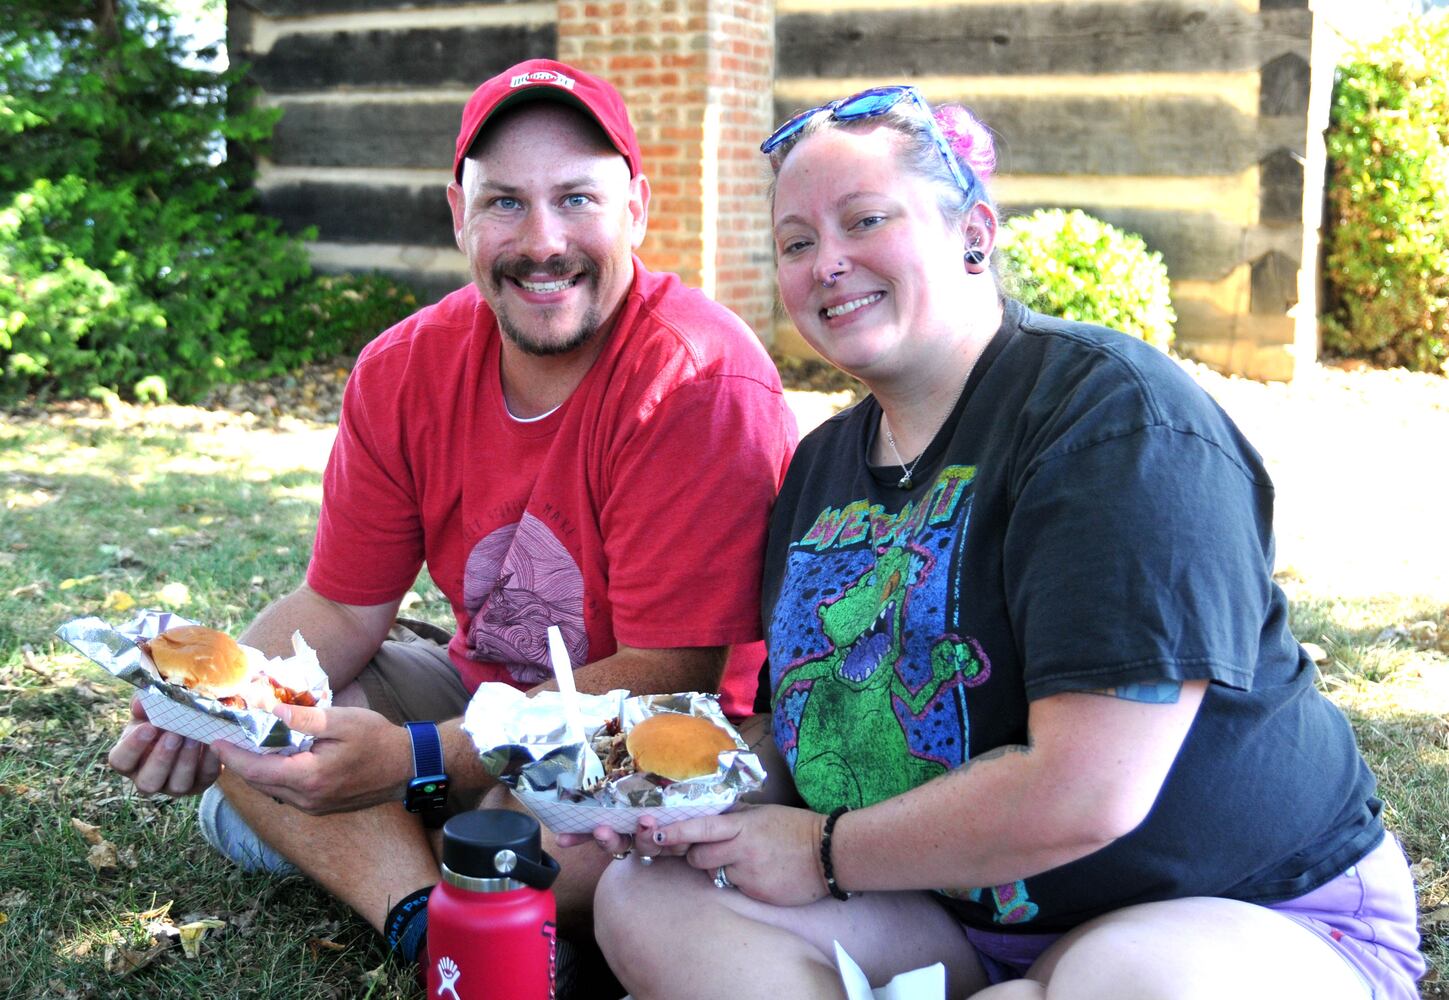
449,974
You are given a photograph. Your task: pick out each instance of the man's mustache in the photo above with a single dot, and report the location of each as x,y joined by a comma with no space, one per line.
527,269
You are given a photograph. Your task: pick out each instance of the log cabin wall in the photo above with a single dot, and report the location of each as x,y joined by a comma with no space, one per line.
1195,123
372,90
1182,120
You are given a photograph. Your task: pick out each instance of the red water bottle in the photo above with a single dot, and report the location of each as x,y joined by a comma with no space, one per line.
491,920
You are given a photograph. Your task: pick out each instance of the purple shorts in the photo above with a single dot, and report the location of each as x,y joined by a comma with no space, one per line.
1368,915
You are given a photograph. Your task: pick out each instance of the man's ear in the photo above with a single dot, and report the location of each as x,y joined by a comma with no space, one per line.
979,228
457,201
638,210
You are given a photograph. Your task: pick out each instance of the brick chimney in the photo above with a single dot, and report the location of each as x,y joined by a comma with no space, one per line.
698,77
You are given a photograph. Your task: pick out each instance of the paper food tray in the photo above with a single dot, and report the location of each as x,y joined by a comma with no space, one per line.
583,817
178,710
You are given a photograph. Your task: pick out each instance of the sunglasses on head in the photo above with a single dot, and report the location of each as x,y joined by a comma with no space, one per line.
871,104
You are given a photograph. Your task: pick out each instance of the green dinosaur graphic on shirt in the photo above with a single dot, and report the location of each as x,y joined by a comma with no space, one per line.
856,731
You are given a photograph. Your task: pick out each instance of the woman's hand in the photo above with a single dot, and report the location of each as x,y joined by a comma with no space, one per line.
768,852
357,759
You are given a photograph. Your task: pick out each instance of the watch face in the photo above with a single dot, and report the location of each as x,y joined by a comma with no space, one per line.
426,792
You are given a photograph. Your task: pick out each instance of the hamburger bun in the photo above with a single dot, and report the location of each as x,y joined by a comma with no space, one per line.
205,660
677,746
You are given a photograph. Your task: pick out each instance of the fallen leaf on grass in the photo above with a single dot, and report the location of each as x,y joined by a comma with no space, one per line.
70,583
1436,918
90,834
318,945
122,961
193,933
103,857
176,595
14,899
119,600
4,918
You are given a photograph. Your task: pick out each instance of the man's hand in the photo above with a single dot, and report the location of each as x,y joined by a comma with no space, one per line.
357,759
158,761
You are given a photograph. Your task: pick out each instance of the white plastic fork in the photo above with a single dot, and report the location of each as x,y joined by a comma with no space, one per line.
563,669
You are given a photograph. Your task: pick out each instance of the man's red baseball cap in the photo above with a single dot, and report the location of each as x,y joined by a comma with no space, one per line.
545,79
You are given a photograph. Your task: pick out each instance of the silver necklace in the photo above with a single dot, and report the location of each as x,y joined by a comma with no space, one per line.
908,471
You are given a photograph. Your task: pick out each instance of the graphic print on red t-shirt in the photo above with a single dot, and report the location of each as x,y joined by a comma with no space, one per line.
519,580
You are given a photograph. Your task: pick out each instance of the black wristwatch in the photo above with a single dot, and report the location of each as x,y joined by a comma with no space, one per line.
427,792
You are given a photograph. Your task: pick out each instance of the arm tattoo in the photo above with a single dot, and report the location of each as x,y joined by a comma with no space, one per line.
1149,693
1000,751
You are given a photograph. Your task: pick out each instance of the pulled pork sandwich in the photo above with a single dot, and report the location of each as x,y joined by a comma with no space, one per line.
672,746
213,665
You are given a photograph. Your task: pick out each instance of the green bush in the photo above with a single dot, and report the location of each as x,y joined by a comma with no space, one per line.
130,250
1386,274
334,315
1071,265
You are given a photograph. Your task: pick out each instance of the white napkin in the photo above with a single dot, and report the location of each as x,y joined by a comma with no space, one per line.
918,984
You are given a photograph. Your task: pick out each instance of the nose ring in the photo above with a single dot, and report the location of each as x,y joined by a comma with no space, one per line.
829,280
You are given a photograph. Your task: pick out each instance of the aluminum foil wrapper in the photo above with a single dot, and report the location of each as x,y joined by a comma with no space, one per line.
181,710
523,741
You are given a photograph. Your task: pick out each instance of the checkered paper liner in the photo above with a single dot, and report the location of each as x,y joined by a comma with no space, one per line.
583,817
179,710
522,740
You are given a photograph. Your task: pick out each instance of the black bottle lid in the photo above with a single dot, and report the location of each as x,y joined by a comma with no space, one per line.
497,844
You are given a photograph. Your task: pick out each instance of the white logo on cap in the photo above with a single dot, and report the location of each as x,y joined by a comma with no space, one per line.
543,76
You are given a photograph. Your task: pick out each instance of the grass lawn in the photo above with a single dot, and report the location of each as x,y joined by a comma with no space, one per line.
104,893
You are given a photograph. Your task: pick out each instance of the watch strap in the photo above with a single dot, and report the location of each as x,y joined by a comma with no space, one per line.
427,748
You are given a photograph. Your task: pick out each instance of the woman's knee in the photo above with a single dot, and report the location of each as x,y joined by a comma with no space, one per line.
1173,950
633,908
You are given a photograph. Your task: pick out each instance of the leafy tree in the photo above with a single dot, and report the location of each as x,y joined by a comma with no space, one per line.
130,246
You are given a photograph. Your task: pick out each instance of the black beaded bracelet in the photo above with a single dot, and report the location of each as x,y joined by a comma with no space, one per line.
825,862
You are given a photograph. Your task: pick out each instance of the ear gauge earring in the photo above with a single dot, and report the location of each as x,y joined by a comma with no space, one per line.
974,259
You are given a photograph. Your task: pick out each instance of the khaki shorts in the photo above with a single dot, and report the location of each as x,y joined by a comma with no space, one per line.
411,678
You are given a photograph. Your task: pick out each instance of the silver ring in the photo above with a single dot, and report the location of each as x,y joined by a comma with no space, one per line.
721,880
646,859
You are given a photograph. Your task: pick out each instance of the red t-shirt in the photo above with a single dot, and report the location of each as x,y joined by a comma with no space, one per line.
635,513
